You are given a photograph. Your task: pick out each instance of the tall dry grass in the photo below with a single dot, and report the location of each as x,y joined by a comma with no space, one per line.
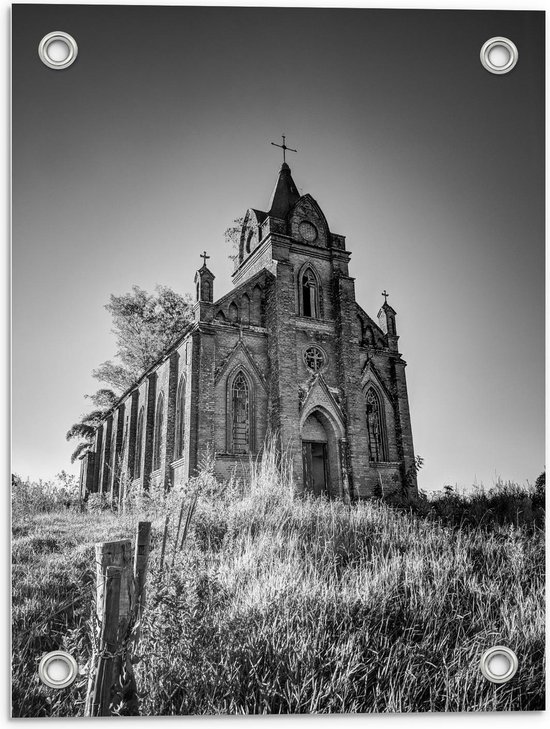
280,604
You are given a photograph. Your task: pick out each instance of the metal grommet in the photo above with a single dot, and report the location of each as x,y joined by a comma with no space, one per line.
499,55
58,50
57,669
499,664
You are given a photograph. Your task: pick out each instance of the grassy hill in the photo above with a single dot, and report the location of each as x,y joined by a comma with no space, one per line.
282,604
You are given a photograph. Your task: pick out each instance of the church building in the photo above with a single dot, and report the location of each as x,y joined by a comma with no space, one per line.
289,354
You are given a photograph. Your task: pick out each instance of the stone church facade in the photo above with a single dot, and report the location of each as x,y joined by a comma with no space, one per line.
289,353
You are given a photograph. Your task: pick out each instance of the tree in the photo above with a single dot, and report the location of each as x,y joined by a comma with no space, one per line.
85,431
233,238
103,399
145,325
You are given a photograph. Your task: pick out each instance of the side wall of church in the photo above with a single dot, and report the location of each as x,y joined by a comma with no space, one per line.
386,374
121,459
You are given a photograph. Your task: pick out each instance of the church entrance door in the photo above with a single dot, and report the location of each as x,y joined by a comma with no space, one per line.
315,467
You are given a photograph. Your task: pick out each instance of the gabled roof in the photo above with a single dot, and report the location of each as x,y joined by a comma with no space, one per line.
369,368
369,319
241,288
260,215
246,354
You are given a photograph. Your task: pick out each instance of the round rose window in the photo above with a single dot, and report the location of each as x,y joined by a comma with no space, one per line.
314,358
308,231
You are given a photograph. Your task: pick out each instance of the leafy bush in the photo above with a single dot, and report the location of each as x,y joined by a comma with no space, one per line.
32,497
503,504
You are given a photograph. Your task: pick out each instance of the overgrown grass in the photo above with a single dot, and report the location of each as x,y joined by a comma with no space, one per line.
278,604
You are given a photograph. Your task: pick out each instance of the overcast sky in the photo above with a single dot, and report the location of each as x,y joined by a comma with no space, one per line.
136,158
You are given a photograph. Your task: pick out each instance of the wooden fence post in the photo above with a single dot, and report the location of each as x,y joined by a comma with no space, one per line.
119,602
108,643
190,513
164,538
177,534
115,554
141,556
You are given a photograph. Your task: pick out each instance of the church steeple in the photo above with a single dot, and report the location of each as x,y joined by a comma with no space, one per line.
204,281
386,321
285,194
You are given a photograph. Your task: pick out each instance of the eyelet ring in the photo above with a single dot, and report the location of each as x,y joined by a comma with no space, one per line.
58,36
57,669
503,653
498,42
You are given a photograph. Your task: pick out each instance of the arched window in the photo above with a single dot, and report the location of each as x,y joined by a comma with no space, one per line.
240,414
139,443
249,240
206,290
180,419
159,418
361,327
256,306
245,310
233,312
309,294
112,453
375,427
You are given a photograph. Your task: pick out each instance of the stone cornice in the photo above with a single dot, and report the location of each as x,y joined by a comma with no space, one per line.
316,325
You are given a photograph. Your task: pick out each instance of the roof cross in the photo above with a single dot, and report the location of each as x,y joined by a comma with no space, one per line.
204,257
385,295
284,147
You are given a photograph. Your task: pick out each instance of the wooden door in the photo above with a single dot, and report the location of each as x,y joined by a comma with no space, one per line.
315,467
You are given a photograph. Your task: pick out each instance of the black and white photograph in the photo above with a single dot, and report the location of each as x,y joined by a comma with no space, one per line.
278,361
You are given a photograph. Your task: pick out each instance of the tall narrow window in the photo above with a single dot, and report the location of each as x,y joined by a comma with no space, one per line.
180,419
245,310
139,443
112,454
159,418
377,446
240,407
310,295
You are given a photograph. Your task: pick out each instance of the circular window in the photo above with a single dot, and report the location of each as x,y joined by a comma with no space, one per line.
314,359
308,231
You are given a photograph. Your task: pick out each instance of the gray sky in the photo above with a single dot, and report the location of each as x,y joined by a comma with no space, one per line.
136,158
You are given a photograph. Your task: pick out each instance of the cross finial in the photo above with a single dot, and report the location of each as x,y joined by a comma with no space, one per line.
385,295
284,147
204,257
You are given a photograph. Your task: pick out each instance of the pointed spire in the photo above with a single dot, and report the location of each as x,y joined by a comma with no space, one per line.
386,317
285,194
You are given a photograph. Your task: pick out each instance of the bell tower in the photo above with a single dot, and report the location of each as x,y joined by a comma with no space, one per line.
204,282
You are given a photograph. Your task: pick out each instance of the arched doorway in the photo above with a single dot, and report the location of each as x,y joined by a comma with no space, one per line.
315,455
321,433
